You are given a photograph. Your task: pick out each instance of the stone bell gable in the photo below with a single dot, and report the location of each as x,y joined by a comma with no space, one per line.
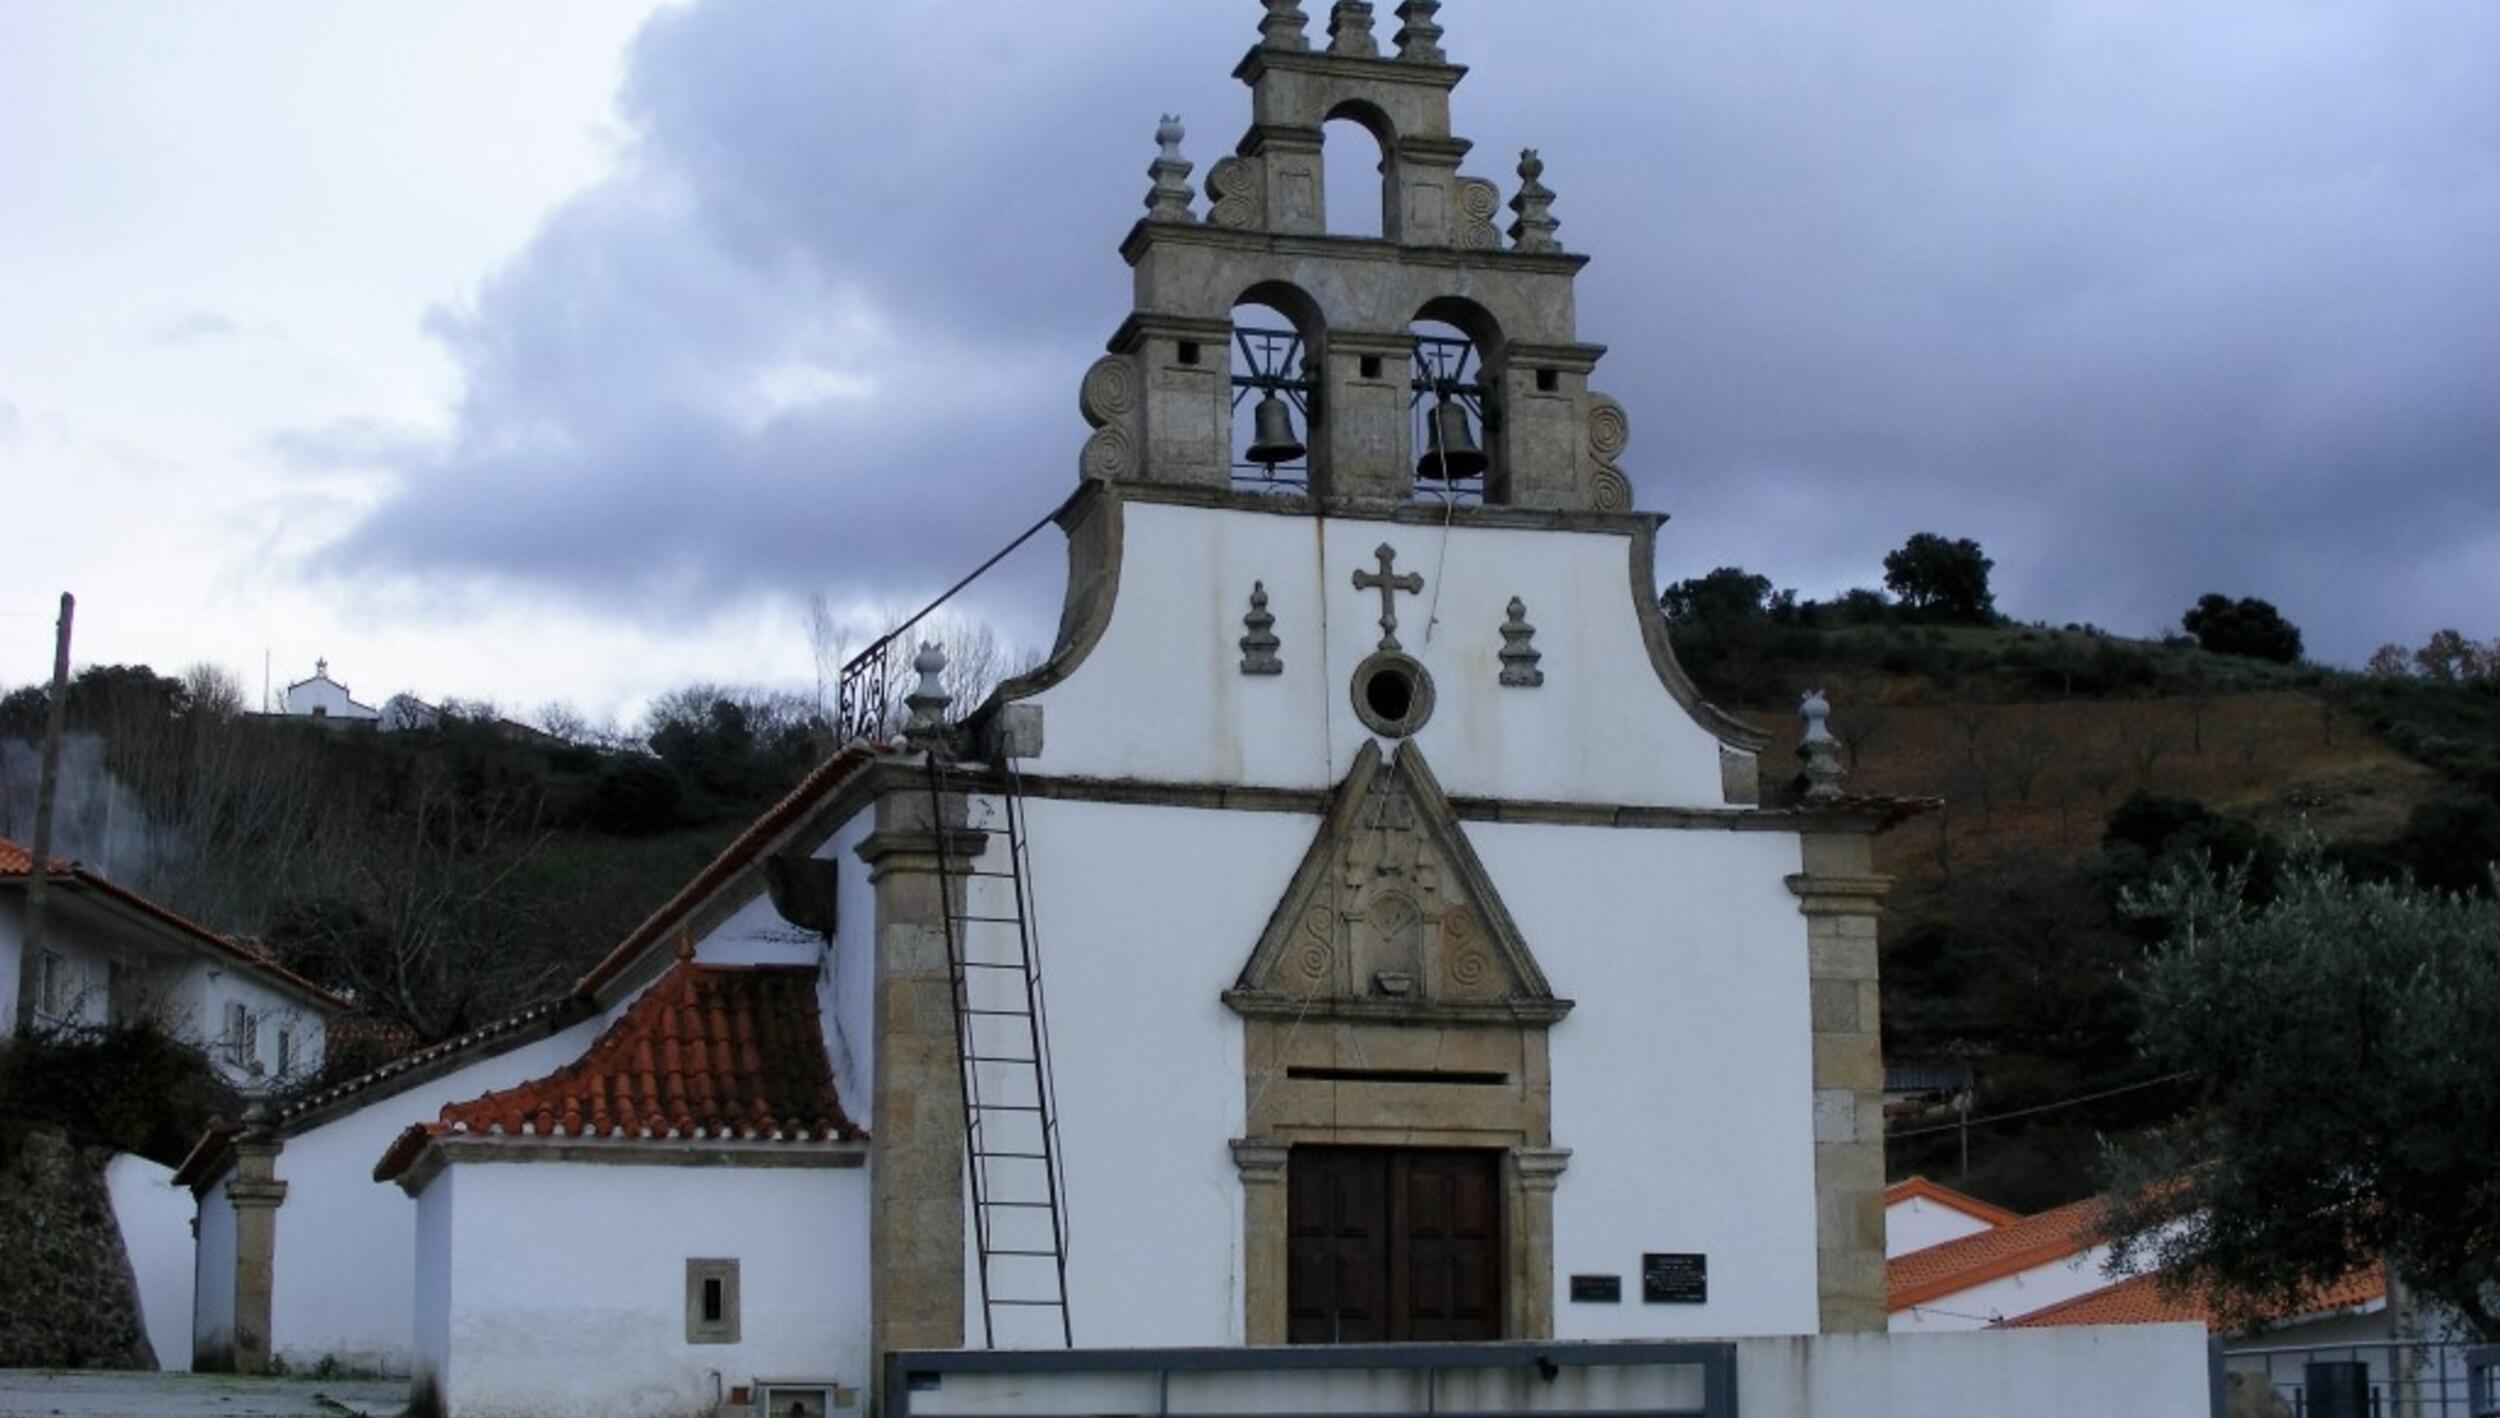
1163,401
1391,917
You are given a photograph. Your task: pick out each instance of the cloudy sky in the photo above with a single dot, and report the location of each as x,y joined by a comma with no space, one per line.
563,350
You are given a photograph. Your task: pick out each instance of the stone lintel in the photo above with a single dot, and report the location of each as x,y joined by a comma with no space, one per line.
1399,344
1839,895
1383,69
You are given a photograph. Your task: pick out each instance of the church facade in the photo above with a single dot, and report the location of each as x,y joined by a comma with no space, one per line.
1358,930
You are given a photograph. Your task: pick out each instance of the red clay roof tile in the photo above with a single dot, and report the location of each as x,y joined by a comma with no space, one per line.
710,1051
1919,1188
1975,1259
2140,1300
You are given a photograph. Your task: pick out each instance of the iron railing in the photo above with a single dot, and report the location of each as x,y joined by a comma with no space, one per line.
865,698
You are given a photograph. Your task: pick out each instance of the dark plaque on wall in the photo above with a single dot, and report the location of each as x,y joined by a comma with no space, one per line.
1674,1278
1597,1289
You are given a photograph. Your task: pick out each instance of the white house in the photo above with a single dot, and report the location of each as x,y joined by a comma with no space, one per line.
322,697
1357,933
110,955
1919,1214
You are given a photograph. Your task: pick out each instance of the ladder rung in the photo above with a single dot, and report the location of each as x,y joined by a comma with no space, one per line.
1015,1156
1054,1255
991,965
1008,1107
1042,1304
1002,1013
1023,1205
989,920
996,1059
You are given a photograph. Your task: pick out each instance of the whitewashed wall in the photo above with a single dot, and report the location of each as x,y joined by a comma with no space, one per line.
431,1359
346,1247
1683,1081
1917,1222
212,1270
154,1217
2009,1297
1602,729
193,1002
2143,1371
1147,914
566,1299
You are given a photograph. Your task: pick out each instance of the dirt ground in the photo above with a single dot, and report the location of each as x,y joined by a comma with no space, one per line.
43,1393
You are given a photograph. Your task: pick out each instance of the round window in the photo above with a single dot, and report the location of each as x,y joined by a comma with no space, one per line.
1392,694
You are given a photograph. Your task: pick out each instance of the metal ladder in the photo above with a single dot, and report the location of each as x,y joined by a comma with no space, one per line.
1002,1032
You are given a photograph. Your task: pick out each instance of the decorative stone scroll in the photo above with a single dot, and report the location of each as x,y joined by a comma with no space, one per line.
1259,647
1109,394
1479,202
1419,38
1391,917
1170,198
1350,30
1610,432
1534,231
1237,190
1519,652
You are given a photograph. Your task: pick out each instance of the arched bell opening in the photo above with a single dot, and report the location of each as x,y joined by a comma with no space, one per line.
1279,351
1456,405
1359,171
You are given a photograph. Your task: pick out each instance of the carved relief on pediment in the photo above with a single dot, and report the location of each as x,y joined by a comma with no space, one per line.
1392,916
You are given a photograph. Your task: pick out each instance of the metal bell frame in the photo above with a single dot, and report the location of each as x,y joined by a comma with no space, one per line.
1445,371
1276,371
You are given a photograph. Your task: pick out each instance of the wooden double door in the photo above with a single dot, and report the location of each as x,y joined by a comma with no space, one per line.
1388,1245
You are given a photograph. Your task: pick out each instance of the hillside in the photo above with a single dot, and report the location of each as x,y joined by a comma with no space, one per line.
2074,765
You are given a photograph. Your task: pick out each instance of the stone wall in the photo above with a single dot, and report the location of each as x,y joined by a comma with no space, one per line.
69,1300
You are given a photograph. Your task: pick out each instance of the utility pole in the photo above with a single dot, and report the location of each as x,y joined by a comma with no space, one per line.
47,783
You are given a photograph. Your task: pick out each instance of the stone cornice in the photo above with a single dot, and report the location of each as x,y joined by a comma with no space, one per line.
1413,514
1839,895
1268,1004
1148,234
1385,68
918,851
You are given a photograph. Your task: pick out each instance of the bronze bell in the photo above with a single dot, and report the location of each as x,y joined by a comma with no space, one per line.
1453,455
1272,439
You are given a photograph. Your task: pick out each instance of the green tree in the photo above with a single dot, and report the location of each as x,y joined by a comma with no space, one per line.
1943,580
1722,605
2248,627
2344,1043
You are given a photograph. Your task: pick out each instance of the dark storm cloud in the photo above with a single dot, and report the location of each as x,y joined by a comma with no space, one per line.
2152,300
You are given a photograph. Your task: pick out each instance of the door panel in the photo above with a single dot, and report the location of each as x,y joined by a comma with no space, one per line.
1392,1245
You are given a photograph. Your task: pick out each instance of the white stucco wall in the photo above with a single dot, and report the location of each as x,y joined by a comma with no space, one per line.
328,698
1147,914
193,1005
430,1358
566,1290
1915,1223
346,1244
1683,1081
2144,1371
212,1276
1163,698
2009,1297
154,1217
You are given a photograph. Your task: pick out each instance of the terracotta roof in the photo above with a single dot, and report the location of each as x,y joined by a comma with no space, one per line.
736,857
17,863
1975,1259
544,1017
207,1157
709,1052
2140,1300
1921,1189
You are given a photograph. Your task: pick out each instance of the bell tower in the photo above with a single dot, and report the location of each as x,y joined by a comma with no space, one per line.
1339,394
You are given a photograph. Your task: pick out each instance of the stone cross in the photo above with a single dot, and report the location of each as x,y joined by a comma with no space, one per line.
1388,583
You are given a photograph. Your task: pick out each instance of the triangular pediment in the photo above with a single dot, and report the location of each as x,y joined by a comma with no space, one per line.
1392,917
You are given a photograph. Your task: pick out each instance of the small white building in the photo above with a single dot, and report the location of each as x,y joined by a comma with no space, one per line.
111,956
322,697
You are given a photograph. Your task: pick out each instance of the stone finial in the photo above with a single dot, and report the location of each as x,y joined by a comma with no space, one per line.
1350,30
1285,26
1819,751
1419,38
928,702
1259,647
1519,652
1534,231
255,1122
1170,199
685,947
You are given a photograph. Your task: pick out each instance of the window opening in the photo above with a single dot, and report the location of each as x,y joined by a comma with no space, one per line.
711,1301
1356,179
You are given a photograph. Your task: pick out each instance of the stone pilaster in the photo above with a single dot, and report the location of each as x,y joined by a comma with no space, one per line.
1263,1220
1532,1174
916,1219
1841,896
256,1194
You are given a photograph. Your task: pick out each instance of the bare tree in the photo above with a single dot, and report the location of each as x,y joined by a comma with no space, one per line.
977,660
